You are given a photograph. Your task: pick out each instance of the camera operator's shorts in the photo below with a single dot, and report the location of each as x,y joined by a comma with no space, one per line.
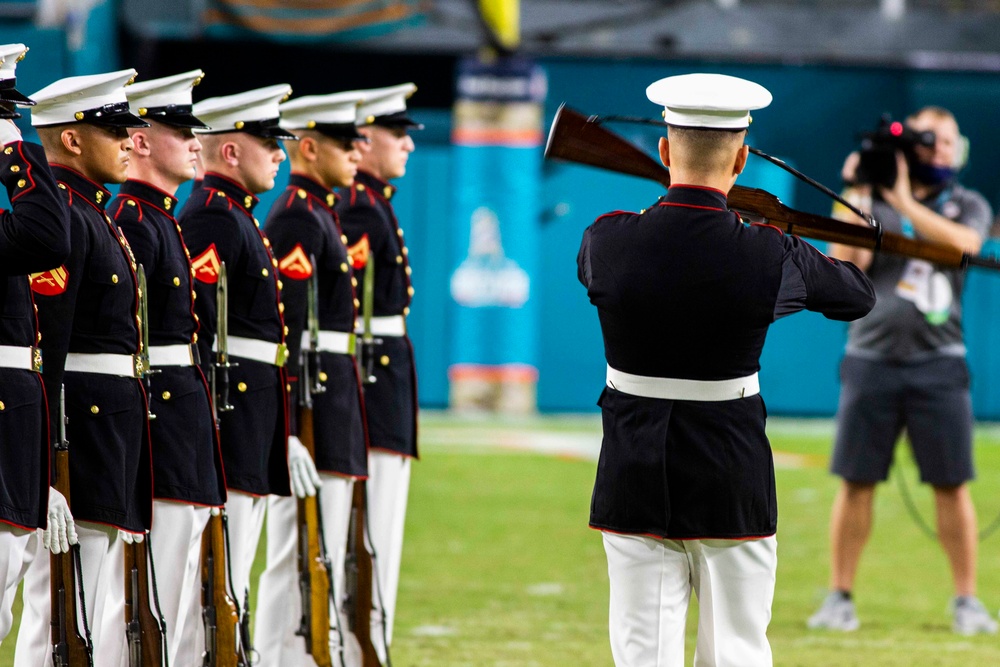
929,399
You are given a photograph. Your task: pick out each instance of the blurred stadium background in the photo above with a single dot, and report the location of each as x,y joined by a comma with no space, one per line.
499,568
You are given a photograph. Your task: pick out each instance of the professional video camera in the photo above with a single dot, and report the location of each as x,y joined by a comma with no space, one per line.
877,165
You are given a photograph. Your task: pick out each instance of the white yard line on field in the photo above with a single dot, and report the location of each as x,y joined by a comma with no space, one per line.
578,437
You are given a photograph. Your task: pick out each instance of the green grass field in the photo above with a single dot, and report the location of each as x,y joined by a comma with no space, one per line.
500,569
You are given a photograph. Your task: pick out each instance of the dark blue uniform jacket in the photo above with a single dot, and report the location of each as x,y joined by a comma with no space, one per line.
187,460
34,237
373,235
90,305
218,226
686,290
303,228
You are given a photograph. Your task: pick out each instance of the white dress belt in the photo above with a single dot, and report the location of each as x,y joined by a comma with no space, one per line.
124,365
336,342
386,325
263,351
676,389
21,358
171,355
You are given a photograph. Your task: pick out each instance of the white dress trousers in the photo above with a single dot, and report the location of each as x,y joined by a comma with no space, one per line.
388,487
246,519
651,584
34,648
13,563
279,603
176,548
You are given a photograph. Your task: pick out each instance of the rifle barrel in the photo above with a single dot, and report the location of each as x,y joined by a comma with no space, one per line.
574,137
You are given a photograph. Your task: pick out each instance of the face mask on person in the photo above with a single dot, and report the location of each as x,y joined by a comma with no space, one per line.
928,174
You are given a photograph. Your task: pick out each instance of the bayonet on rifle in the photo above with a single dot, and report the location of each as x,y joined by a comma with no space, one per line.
145,371
368,340
221,366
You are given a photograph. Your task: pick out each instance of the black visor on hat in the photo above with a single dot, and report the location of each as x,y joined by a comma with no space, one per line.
398,119
111,115
11,95
265,129
8,110
176,115
347,131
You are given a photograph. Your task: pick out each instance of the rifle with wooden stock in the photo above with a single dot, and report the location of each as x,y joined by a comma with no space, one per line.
584,140
144,633
358,566
219,612
69,648
315,569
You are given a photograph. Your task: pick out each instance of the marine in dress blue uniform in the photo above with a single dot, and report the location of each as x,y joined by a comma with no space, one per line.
89,319
685,293
187,463
374,236
34,237
307,240
219,226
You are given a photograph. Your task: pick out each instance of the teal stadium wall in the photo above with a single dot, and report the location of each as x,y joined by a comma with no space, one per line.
814,122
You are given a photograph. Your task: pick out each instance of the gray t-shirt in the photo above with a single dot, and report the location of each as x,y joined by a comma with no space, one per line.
919,309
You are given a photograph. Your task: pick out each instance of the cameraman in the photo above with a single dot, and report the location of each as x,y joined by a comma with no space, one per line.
905,368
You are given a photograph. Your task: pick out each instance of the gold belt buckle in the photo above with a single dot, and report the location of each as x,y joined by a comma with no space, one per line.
138,366
281,357
36,359
352,343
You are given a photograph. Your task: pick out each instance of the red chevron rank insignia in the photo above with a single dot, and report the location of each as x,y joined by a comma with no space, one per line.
296,264
206,266
359,253
51,282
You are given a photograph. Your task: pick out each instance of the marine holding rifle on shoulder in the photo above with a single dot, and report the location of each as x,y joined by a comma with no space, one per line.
905,366
685,293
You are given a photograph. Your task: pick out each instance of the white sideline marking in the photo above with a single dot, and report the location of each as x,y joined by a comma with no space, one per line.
433,631
585,443
546,589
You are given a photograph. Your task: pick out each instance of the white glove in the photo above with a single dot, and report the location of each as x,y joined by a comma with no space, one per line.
61,530
305,479
216,511
8,132
129,538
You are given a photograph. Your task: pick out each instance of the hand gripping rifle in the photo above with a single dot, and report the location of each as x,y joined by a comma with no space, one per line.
145,633
219,613
582,139
69,649
314,565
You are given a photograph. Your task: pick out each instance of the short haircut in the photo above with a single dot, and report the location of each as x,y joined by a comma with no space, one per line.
705,150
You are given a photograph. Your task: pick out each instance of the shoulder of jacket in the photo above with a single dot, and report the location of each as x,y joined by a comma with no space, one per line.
127,209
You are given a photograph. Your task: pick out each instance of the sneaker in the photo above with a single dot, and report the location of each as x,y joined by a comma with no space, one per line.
836,613
971,617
